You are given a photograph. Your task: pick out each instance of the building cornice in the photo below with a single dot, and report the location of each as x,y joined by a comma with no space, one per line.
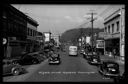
112,16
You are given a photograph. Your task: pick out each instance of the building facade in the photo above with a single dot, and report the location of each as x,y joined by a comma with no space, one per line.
31,34
113,32
14,31
40,38
56,39
100,42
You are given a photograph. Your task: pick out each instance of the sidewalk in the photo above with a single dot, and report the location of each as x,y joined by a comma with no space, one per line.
116,59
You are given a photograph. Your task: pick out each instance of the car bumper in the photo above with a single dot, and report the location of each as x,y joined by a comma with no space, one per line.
72,53
108,74
92,62
54,62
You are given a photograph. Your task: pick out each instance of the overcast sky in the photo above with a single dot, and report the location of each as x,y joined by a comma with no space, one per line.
59,18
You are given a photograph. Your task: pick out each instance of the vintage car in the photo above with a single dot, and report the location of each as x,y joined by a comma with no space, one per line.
85,54
12,69
54,59
82,51
94,59
90,54
109,69
27,59
40,57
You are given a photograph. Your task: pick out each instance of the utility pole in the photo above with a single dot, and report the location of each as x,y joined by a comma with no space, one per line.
81,37
92,19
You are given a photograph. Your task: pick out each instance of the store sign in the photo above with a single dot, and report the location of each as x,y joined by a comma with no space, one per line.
99,44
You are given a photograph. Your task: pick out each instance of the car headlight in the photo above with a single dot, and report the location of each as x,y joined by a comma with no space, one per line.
112,69
94,60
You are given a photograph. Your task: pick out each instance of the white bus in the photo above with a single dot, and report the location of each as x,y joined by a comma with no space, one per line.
73,50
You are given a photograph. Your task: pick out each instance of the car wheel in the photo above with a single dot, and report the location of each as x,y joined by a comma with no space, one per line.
33,61
16,72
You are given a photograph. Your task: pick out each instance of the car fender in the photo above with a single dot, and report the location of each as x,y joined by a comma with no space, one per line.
15,68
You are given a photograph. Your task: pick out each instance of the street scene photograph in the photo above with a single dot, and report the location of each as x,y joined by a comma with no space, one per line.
63,43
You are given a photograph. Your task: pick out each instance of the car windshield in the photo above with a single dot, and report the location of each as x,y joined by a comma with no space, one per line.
111,65
89,53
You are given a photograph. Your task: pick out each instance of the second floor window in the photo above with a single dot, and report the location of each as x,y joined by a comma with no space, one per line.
112,28
105,29
109,29
117,23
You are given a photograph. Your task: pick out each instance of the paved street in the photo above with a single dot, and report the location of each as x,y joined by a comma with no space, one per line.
72,69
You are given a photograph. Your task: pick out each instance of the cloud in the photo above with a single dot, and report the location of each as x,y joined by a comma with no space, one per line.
68,17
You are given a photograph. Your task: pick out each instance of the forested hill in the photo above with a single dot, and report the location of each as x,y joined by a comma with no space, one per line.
74,34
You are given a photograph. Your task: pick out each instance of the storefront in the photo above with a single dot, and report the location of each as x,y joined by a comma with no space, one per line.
111,44
100,46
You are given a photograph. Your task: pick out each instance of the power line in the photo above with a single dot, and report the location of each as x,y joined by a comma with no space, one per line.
106,10
84,24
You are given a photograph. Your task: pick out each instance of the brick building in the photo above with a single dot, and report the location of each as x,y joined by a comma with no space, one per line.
14,30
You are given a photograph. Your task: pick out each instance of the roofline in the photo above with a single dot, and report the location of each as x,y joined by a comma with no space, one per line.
32,20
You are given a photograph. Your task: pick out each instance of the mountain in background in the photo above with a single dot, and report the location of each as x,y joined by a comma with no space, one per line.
74,34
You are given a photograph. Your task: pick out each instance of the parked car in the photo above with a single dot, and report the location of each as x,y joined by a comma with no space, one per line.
12,69
94,59
73,51
39,56
82,51
84,54
109,68
27,59
54,59
88,55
